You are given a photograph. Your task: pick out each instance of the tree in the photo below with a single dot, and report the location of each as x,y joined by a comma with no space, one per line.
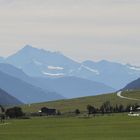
121,108
127,109
58,112
116,109
2,113
14,112
77,111
91,109
106,107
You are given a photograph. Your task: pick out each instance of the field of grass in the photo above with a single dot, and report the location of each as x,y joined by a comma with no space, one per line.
81,103
118,127
113,127
132,94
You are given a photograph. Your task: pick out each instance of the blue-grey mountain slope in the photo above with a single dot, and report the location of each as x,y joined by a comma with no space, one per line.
134,85
114,74
40,63
8,100
24,91
72,87
68,86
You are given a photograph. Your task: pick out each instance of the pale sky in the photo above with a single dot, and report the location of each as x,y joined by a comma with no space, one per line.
80,29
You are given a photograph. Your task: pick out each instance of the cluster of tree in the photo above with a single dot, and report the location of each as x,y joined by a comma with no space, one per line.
106,107
14,112
77,112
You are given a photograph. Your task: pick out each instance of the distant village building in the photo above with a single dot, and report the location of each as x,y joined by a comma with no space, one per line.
136,113
48,111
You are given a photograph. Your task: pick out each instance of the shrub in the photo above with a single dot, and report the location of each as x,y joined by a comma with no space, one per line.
77,111
14,112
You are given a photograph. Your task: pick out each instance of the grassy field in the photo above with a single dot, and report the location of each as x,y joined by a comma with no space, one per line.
81,103
118,127
132,94
113,127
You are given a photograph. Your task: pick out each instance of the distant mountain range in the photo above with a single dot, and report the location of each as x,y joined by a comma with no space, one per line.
72,87
41,63
36,75
68,87
6,99
24,91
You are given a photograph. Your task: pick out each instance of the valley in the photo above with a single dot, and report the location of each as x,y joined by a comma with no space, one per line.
70,105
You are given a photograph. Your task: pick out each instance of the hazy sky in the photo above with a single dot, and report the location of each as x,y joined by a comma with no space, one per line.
81,29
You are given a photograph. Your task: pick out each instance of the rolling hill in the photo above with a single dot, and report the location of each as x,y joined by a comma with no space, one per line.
68,105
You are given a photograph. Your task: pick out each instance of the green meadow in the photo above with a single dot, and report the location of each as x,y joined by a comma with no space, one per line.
81,103
132,94
107,127
114,127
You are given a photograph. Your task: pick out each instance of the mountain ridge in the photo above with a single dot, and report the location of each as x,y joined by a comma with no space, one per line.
24,91
66,86
8,100
134,85
41,63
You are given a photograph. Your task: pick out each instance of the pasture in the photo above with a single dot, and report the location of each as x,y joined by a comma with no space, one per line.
114,127
81,103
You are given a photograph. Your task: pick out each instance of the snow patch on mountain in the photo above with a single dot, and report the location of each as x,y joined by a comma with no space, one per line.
53,74
134,68
90,69
55,68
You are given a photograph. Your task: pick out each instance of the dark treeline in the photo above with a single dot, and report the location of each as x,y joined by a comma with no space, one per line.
14,112
106,107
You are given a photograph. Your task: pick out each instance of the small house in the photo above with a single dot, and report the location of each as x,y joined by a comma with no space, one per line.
47,111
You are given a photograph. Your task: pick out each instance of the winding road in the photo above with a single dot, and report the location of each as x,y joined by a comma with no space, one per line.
119,95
